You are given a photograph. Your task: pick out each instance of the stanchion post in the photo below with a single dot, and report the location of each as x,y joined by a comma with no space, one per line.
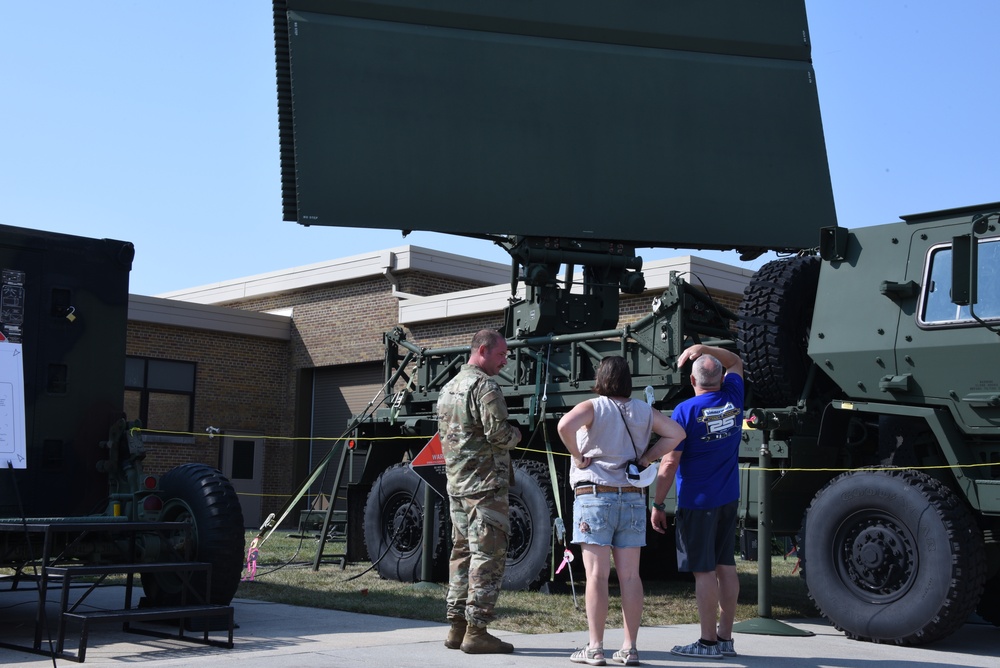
764,530
428,535
763,624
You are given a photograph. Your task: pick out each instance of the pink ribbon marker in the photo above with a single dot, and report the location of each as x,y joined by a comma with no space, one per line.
567,557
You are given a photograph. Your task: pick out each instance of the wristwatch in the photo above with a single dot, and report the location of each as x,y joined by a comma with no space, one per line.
659,506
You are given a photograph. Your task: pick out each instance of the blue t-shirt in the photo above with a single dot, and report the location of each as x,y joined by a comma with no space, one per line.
708,476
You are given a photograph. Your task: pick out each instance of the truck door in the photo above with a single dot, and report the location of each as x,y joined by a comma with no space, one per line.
948,354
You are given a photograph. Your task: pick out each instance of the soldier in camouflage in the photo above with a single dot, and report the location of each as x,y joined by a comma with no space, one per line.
477,439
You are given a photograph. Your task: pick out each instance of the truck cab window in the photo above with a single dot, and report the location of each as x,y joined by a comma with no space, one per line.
936,306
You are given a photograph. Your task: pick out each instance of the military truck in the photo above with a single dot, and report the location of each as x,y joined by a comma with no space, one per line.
573,133
73,490
881,352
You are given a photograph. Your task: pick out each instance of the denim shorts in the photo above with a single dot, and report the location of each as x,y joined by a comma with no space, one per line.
610,518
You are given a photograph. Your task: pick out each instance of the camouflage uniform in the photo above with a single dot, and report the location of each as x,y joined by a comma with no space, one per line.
476,439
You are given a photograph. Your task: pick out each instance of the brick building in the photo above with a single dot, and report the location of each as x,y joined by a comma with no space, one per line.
259,375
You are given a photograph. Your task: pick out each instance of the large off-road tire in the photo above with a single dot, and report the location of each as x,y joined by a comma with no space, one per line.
201,495
892,557
394,525
532,514
773,330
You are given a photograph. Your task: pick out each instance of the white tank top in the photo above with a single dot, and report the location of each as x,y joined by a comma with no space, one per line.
607,441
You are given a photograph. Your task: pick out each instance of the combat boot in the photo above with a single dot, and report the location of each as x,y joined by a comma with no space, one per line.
455,634
479,641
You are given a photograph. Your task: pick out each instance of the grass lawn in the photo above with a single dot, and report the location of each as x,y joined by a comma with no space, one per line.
285,575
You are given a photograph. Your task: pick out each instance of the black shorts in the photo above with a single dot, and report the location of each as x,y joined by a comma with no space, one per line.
706,538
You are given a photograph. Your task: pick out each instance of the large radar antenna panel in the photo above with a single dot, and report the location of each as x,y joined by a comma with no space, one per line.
655,124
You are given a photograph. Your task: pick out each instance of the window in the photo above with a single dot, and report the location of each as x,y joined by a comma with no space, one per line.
243,459
936,307
160,393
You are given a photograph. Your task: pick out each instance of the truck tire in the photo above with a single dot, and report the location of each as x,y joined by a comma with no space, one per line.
394,525
892,557
532,514
201,495
773,330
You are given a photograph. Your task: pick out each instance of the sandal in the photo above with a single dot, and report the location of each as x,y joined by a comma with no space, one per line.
630,657
592,657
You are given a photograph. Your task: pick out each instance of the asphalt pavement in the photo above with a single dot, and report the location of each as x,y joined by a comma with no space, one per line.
272,635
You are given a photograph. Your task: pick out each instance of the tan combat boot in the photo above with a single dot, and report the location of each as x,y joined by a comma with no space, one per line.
455,634
479,641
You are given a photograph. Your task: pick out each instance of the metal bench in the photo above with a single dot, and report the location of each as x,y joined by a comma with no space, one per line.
127,615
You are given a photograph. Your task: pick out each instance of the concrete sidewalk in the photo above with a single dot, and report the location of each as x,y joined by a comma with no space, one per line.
272,635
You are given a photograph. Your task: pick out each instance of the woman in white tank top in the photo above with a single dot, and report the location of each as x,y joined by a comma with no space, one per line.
603,435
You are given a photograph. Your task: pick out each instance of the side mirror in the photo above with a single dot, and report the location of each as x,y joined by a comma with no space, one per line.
965,262
964,249
833,243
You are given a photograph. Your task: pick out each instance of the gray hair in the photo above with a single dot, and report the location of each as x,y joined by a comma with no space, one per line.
707,371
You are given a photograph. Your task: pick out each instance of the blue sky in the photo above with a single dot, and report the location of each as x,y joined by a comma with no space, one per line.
156,123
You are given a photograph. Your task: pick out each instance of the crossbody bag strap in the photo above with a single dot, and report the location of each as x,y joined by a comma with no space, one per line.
621,412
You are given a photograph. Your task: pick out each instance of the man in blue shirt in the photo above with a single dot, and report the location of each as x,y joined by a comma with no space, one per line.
706,468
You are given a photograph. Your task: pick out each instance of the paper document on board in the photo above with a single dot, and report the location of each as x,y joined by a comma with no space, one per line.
12,438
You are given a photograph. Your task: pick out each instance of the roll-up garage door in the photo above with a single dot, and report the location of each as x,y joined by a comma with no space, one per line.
339,392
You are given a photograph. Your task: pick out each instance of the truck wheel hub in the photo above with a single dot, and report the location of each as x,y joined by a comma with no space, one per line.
406,527
879,559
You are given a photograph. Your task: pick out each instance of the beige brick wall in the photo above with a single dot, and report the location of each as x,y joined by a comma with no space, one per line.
241,383
344,323
248,384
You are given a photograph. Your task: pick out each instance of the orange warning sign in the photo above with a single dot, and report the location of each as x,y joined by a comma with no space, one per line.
431,454
429,465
